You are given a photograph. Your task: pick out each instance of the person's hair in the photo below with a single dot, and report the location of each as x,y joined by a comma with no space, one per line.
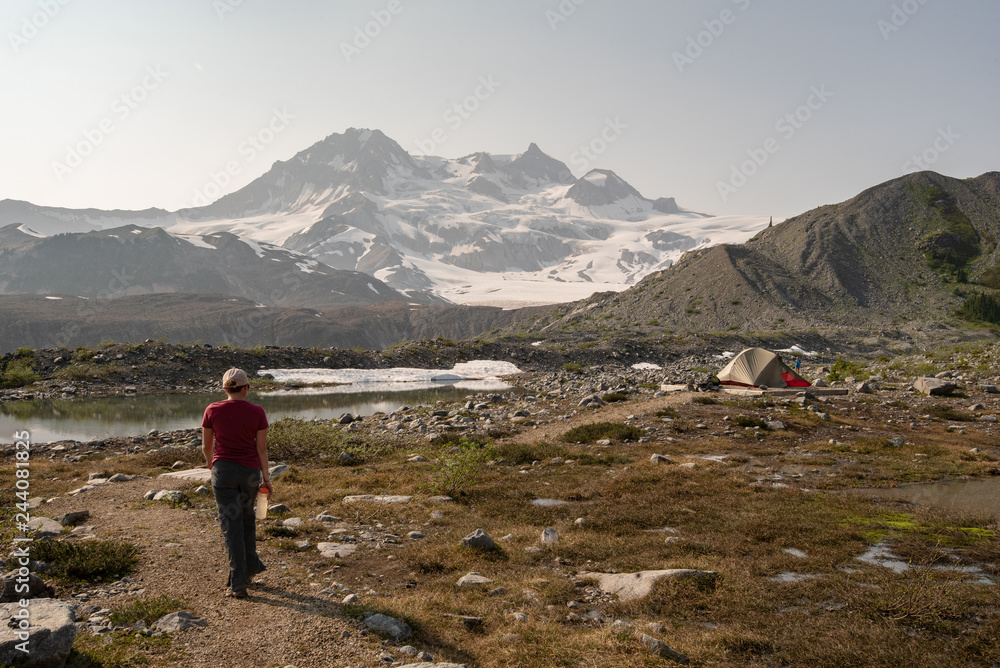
231,386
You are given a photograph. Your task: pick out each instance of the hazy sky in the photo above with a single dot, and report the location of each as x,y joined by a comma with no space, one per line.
731,106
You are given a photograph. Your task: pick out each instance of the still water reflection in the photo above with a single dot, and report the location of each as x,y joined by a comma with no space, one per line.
85,419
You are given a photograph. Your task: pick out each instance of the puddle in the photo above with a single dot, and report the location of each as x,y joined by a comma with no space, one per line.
966,495
880,555
548,503
795,552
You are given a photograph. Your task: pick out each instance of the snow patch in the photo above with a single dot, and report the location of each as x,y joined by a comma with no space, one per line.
475,370
372,288
646,366
53,297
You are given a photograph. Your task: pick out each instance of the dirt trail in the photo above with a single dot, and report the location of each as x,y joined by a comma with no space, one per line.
284,621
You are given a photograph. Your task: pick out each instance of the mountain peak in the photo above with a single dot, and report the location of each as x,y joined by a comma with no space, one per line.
600,187
536,164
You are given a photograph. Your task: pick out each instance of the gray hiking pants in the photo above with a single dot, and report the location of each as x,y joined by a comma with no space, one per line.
235,489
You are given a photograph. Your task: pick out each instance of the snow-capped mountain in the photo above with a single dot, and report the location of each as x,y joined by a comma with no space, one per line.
501,229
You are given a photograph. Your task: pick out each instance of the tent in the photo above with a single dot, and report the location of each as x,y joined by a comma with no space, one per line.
755,367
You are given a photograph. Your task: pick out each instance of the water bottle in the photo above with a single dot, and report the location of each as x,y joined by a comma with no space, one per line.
262,498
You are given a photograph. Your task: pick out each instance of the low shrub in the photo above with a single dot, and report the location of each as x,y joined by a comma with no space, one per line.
747,421
18,373
591,433
614,397
707,401
946,412
462,465
147,610
89,560
295,440
572,367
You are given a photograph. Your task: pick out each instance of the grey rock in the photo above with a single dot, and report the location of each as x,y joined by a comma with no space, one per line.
45,526
350,599
377,498
169,495
9,583
473,579
479,540
149,495
292,522
896,441
550,536
634,586
279,508
660,459
660,648
415,535
345,459
277,472
776,425
73,518
121,477
50,634
934,386
179,621
428,664
390,626
336,550
201,489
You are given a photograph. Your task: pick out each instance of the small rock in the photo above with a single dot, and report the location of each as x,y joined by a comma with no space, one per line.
74,518
350,599
170,495
550,536
179,621
415,535
660,459
279,509
479,539
659,648
292,522
388,625
473,579
579,521
776,425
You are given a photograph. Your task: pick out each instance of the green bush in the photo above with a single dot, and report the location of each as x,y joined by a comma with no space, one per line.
614,397
461,467
747,421
591,433
89,560
147,610
572,367
842,369
706,401
295,440
18,373
24,351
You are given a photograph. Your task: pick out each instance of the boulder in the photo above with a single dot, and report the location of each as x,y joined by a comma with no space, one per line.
934,386
660,459
8,585
633,586
388,625
550,536
49,636
278,471
480,540
45,526
179,621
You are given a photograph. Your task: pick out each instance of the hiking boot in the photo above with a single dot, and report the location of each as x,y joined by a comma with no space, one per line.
237,593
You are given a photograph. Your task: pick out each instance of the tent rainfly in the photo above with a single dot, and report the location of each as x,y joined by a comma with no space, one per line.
755,367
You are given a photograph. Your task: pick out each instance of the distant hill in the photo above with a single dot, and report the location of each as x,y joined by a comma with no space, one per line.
903,254
133,260
43,322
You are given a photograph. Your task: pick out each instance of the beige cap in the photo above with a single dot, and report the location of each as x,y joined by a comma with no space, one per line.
234,379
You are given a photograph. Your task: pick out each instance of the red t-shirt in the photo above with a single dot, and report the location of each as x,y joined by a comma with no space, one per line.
235,424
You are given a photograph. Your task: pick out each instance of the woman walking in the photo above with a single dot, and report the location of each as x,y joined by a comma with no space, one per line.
234,440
